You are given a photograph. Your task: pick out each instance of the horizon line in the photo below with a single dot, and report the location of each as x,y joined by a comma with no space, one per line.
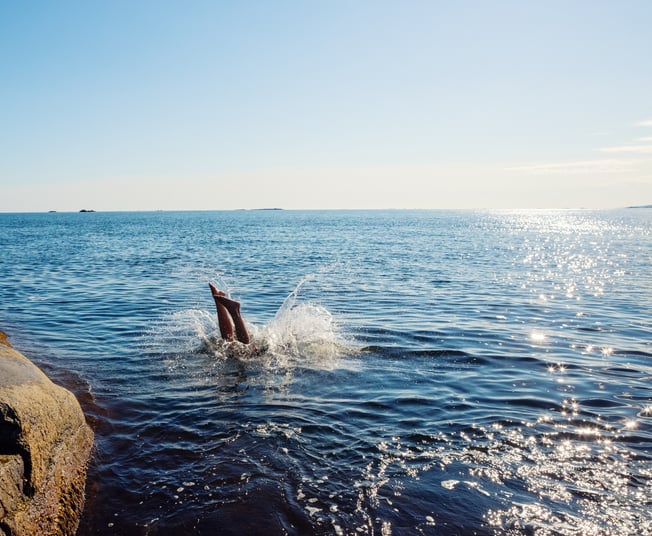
331,209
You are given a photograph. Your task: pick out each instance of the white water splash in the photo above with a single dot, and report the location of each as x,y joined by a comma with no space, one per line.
301,333
301,330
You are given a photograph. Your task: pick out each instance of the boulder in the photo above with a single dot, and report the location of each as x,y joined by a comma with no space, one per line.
45,445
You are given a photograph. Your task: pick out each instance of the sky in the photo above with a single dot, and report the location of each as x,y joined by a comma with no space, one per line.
202,105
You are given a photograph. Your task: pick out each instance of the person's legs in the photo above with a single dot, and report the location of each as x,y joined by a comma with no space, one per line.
228,317
233,307
223,316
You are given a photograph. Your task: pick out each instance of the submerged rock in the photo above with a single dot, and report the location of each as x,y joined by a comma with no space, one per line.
45,445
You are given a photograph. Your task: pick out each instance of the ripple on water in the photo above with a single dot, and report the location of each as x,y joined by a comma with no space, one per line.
443,372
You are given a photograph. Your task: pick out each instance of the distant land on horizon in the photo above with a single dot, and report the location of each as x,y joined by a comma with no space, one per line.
280,209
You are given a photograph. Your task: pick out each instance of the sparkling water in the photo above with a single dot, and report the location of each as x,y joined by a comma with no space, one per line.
411,372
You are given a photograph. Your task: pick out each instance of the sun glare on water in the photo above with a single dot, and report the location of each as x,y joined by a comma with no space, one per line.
538,337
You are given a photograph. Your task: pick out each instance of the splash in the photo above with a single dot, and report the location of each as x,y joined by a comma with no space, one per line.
179,333
300,333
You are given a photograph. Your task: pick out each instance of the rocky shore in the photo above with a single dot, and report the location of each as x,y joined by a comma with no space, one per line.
45,445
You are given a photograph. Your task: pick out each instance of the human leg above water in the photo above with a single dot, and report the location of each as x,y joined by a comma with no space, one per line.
229,317
223,316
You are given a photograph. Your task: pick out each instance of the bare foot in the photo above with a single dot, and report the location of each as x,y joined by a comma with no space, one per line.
215,291
231,305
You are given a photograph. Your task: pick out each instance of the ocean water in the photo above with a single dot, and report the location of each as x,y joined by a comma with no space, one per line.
415,372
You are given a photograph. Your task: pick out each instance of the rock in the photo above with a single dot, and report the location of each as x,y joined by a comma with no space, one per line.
45,445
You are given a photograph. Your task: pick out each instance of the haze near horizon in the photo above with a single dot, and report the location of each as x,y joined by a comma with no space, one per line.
221,105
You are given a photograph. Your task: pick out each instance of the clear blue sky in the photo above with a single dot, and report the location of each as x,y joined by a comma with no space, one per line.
137,105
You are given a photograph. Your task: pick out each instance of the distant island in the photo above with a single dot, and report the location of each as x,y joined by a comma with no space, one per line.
247,209
86,210
641,206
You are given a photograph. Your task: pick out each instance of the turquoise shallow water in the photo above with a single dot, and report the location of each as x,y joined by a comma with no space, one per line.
417,372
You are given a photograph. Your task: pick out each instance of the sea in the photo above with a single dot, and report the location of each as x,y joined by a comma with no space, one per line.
411,372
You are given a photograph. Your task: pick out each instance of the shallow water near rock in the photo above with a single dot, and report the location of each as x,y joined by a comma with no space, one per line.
414,372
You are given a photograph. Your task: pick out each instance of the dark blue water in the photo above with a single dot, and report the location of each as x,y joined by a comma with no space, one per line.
424,372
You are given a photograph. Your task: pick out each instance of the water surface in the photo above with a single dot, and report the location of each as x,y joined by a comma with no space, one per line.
426,372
